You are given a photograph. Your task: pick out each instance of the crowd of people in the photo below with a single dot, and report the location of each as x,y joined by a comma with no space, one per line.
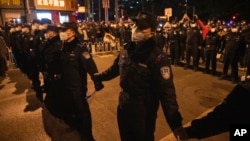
216,41
58,52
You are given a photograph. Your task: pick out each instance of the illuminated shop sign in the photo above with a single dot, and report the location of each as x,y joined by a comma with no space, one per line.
54,3
10,2
67,5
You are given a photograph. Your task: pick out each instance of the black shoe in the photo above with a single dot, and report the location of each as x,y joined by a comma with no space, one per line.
186,67
206,71
234,81
223,76
214,73
195,69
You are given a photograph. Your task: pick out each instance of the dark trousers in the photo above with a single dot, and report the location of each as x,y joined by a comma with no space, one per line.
136,119
210,58
3,66
191,51
174,53
247,61
231,60
78,107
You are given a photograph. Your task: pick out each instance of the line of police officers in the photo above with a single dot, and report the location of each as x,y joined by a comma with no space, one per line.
192,39
64,62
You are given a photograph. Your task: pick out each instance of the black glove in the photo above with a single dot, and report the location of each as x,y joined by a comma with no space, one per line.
180,133
98,86
96,77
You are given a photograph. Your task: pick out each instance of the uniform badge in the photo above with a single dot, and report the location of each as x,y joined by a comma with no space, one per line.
86,55
165,72
72,54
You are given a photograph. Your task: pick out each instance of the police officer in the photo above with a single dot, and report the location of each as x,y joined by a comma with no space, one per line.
174,43
211,48
193,45
246,37
52,72
159,37
146,78
233,41
16,38
35,58
182,46
76,63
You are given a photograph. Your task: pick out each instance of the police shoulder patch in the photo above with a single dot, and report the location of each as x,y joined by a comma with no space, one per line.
86,55
165,72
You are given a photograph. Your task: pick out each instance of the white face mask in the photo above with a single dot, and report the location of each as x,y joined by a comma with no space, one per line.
174,25
46,36
33,27
234,29
41,27
63,36
137,35
192,25
12,30
23,30
212,29
18,28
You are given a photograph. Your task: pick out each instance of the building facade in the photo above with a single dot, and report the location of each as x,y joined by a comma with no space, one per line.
20,11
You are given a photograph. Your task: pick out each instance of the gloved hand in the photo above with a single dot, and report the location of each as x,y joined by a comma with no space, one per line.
96,77
180,133
196,17
98,86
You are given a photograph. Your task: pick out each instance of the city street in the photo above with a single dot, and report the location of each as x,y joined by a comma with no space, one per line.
23,118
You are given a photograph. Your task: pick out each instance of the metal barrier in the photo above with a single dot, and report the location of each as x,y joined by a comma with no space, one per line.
102,47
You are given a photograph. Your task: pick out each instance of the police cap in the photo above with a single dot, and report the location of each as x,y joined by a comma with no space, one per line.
145,20
45,21
70,25
52,28
36,21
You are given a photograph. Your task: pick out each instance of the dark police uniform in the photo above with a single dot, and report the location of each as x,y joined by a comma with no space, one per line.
233,41
193,41
52,72
246,38
212,42
76,62
183,35
146,79
174,43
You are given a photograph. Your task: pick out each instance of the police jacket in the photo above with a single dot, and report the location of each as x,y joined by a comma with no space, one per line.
174,36
51,57
145,71
212,41
246,38
233,42
194,38
76,63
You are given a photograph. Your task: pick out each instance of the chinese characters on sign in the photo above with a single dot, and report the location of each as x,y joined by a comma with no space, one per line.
10,2
55,3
